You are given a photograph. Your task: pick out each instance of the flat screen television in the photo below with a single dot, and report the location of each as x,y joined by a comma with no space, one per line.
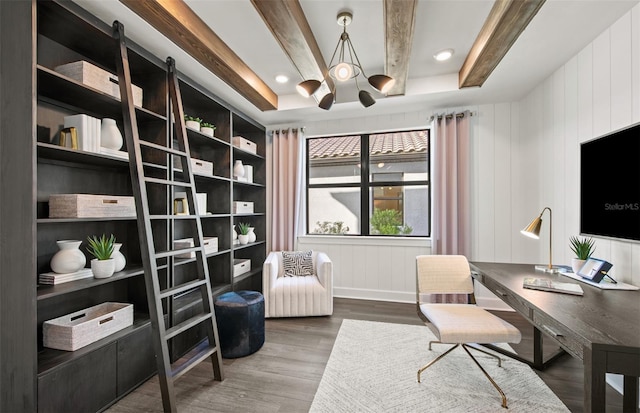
610,185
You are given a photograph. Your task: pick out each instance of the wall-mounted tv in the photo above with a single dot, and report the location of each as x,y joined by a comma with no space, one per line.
610,185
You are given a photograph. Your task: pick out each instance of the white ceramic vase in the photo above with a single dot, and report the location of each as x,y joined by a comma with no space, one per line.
69,258
235,233
244,239
110,136
120,260
576,264
238,169
252,235
103,268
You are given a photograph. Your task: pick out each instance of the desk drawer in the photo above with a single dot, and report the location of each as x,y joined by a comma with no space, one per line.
508,297
567,339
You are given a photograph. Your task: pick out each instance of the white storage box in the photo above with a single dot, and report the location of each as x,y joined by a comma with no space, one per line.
79,329
90,206
242,207
93,76
244,144
210,246
201,167
198,166
241,266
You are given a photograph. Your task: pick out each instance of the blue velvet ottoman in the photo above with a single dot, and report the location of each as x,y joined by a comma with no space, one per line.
240,317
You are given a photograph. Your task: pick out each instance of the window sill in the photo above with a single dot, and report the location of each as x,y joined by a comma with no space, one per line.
365,240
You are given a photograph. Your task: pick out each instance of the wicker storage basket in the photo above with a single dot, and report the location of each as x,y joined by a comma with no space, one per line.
90,206
76,330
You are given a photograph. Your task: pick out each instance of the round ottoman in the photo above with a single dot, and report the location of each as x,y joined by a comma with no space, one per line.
240,317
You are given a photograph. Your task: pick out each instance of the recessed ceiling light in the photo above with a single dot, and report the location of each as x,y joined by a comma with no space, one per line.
282,79
443,55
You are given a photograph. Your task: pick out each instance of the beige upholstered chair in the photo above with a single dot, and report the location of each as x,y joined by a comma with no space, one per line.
458,324
297,296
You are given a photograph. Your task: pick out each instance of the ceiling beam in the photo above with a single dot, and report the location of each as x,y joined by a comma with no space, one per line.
288,24
505,23
400,18
181,25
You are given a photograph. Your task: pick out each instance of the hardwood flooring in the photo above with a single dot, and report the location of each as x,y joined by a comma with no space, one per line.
284,375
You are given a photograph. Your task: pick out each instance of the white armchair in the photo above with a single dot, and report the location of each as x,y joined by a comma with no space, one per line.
297,296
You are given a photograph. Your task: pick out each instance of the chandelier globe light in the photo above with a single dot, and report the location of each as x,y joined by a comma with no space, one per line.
346,68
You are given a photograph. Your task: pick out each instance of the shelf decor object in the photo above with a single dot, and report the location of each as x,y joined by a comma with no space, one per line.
245,144
76,330
103,266
242,207
90,206
73,134
69,258
120,260
210,245
91,75
252,234
533,231
110,136
238,169
207,128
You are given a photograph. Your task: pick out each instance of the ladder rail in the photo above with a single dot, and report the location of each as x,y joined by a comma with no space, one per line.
149,255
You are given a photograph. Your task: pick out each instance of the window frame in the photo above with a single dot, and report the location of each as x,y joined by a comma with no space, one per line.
366,185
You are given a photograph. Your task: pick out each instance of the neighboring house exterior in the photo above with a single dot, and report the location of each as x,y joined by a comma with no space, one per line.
398,163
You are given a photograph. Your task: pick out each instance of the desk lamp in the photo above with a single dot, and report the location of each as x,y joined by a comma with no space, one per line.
533,231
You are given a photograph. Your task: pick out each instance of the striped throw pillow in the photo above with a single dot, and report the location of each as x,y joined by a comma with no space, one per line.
297,263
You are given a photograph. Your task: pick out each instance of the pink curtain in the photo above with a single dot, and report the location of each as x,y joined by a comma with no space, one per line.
451,228
284,186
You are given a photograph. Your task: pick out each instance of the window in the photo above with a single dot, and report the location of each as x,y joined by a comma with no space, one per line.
382,190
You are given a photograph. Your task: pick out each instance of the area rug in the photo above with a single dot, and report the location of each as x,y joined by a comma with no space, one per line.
373,366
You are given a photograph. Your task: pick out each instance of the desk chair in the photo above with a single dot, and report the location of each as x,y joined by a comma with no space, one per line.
458,324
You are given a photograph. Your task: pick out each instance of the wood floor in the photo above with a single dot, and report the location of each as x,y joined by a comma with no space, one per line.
284,375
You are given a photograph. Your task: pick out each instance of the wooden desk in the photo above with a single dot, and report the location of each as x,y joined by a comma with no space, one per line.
602,328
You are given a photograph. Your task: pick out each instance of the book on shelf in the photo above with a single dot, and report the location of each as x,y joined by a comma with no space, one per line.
52,278
546,284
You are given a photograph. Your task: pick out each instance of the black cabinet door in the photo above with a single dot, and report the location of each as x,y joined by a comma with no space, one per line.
136,359
86,384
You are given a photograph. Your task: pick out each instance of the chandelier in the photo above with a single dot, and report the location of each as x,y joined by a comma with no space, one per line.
346,68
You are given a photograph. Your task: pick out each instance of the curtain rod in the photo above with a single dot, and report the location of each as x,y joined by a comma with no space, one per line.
449,116
277,131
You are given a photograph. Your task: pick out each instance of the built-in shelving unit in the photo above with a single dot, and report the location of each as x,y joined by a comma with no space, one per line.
95,376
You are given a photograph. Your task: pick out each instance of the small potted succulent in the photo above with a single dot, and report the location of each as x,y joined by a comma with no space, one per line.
192,122
243,227
207,128
103,265
582,248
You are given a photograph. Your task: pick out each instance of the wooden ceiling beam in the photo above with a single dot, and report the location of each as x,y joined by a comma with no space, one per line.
505,23
288,24
400,18
181,25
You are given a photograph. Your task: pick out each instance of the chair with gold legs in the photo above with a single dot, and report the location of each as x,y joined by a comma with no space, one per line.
458,324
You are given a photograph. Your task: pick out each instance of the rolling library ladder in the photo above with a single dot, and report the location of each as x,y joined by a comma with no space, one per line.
154,191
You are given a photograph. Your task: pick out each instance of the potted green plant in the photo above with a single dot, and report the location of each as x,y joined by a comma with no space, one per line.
582,248
243,227
192,122
207,128
103,265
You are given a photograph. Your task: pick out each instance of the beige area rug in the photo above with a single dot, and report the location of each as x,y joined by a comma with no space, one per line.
373,368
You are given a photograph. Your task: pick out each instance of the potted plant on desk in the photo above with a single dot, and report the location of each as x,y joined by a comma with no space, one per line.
582,248
103,265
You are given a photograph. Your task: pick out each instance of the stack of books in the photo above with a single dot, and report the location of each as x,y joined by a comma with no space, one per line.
52,278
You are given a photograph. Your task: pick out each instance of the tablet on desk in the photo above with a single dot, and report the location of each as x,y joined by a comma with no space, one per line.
594,269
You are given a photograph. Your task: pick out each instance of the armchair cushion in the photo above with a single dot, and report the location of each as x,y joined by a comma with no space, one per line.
297,263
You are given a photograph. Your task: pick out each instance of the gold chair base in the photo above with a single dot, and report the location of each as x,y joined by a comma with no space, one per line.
466,348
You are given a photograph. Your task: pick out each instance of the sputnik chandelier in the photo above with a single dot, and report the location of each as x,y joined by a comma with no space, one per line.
345,70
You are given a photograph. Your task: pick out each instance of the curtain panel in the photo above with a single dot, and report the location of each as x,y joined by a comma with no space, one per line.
286,179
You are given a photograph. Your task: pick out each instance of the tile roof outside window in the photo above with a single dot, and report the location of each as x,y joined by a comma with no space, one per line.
384,143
